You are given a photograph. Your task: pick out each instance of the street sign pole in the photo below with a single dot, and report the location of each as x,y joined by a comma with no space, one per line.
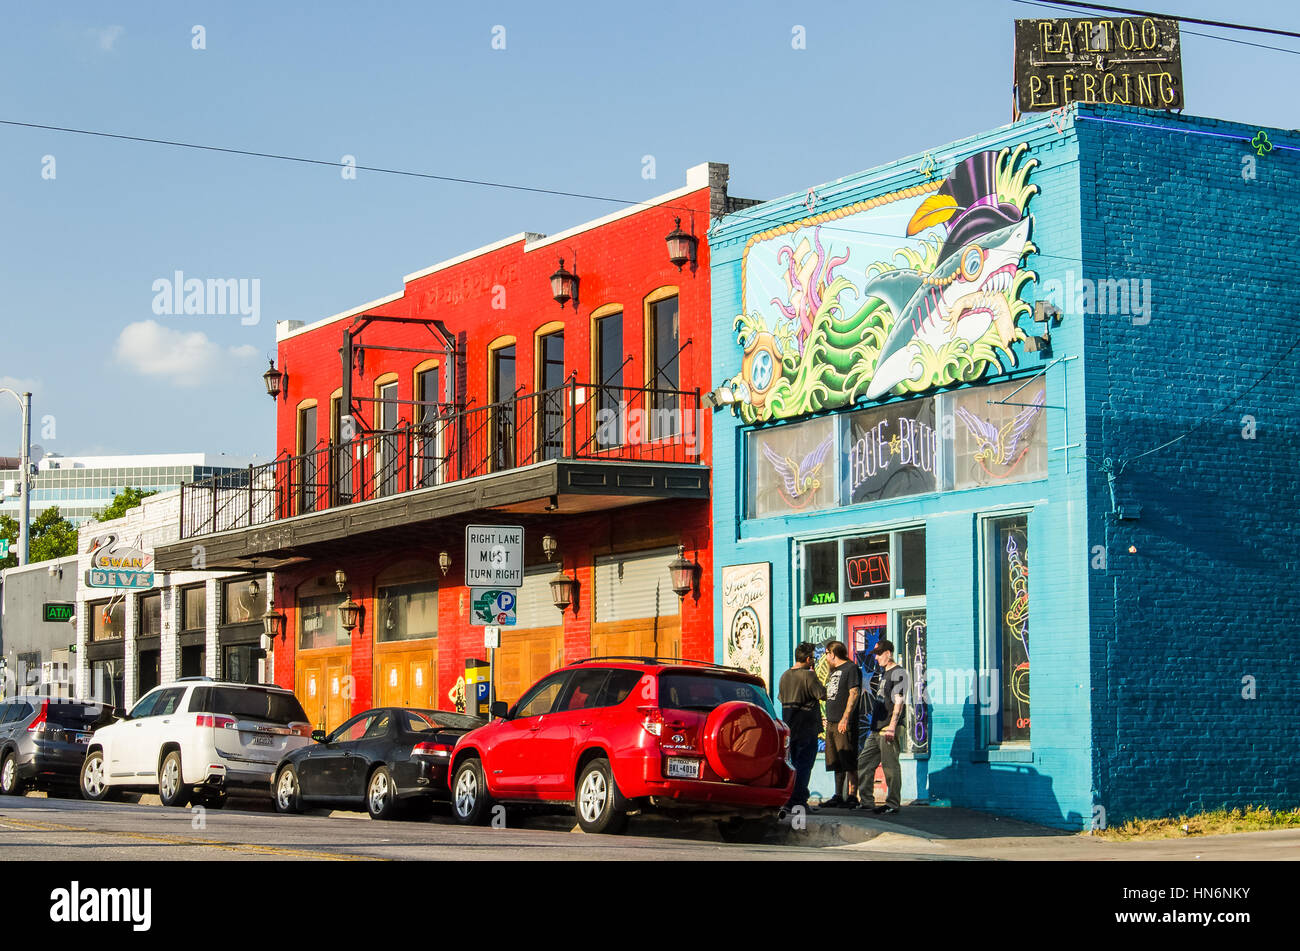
25,400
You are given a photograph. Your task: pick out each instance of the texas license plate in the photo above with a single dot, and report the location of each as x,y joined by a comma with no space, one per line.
261,741
683,768
80,737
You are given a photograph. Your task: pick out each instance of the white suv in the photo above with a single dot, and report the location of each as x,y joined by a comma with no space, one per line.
196,738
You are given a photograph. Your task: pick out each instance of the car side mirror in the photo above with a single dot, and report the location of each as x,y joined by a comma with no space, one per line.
500,709
318,736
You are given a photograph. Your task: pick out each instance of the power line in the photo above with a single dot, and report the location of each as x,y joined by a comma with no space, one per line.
1170,16
1222,409
1047,5
311,161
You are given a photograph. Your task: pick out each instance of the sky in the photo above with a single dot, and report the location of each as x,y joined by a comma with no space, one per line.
580,94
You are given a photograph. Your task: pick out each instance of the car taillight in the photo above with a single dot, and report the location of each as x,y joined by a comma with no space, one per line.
653,720
431,749
38,725
215,721
301,729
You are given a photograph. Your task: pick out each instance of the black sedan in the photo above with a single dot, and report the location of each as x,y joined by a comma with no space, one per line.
379,758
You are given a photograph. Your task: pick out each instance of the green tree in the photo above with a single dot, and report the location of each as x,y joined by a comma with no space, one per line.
127,499
53,536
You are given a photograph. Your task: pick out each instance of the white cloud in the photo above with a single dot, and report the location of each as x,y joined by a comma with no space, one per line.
183,358
107,36
20,385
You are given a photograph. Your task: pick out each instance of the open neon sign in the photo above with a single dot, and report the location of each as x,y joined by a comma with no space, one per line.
866,571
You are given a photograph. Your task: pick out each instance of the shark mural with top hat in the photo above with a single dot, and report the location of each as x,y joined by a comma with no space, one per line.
837,310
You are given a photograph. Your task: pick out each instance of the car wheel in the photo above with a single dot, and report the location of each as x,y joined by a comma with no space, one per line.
381,795
9,782
743,831
470,802
94,784
171,786
595,802
288,793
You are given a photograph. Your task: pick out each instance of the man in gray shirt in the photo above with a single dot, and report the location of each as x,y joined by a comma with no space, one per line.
889,703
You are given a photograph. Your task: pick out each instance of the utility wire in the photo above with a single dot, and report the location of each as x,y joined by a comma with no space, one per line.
1222,409
1171,16
1048,5
311,161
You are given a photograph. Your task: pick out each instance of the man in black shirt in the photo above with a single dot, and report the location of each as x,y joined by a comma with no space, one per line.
801,693
843,685
889,703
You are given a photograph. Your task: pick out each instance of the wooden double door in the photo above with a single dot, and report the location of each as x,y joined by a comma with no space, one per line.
643,638
524,658
406,674
325,687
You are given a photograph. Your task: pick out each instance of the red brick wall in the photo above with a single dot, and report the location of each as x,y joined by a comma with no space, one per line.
620,262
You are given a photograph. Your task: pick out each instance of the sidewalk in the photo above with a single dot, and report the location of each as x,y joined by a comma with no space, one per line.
953,833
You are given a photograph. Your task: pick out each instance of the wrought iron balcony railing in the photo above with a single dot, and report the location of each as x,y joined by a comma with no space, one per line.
573,421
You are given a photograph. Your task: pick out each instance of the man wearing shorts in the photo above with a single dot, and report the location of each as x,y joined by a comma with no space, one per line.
843,685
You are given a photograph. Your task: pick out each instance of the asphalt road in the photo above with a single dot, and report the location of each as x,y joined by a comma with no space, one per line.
45,829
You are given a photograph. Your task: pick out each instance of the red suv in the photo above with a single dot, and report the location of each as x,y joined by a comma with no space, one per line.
613,736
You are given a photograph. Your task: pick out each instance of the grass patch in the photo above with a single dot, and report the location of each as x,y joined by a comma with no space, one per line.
1215,822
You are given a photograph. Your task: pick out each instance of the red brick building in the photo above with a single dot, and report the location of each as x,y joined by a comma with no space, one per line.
472,396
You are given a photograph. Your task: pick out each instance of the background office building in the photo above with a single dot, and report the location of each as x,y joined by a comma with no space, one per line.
82,486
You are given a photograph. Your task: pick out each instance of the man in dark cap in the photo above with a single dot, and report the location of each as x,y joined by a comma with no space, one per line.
889,702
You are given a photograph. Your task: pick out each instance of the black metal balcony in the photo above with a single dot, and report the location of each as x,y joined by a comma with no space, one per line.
576,421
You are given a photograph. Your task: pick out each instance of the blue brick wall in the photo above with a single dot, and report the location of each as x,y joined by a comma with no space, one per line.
1209,596
1055,786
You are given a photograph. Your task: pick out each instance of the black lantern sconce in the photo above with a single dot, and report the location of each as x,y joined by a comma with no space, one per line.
277,381
444,562
273,623
549,546
681,245
564,590
564,285
350,614
682,573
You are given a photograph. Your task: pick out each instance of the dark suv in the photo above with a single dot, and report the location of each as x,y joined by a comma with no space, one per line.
614,736
43,741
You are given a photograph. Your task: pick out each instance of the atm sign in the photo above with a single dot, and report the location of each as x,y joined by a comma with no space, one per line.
58,611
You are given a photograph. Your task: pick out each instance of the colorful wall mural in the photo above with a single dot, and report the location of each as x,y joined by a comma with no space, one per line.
836,309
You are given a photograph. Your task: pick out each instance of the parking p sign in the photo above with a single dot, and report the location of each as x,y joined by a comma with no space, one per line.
494,556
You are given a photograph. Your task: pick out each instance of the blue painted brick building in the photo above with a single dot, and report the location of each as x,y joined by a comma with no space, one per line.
1030,397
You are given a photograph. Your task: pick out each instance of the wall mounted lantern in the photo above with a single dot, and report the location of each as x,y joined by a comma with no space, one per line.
681,245
350,614
275,380
549,546
682,573
273,623
444,561
340,580
564,285
564,590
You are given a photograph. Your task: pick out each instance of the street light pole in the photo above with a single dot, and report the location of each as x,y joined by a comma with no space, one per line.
25,401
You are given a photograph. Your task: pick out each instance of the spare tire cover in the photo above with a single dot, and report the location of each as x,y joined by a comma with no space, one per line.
741,741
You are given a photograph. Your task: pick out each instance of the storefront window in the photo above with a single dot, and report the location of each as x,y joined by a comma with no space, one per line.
107,682
792,469
867,568
238,606
194,608
821,576
912,655
860,589
1007,646
151,615
890,452
319,624
107,623
408,611
994,442
911,573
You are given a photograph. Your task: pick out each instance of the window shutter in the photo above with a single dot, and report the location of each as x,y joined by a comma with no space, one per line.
635,585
